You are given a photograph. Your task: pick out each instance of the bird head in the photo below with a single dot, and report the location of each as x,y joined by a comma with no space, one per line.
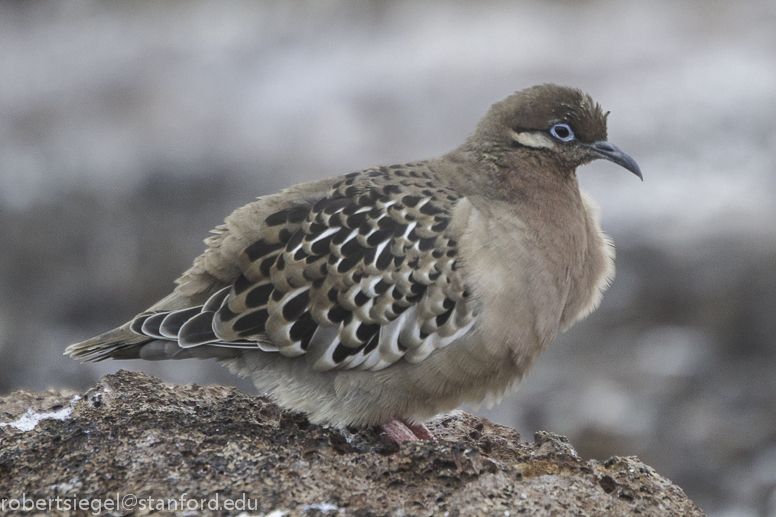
561,123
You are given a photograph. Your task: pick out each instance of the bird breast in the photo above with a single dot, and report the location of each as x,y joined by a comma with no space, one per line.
526,283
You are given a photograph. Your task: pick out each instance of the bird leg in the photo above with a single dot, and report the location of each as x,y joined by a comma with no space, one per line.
400,431
421,431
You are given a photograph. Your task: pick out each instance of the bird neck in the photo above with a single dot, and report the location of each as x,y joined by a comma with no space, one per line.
533,182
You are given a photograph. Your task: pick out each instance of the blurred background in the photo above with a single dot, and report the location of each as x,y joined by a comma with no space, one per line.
129,129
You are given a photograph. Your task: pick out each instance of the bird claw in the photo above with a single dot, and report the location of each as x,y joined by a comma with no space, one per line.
400,431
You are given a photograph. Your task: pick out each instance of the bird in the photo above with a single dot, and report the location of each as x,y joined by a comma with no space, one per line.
392,294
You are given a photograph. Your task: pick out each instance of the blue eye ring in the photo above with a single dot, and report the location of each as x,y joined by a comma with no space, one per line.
562,132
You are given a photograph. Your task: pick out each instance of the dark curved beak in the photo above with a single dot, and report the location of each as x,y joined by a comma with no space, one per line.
612,153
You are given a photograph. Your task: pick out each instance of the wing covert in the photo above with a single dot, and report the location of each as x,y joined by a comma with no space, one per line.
359,278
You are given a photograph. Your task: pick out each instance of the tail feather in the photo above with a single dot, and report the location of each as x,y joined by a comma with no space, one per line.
119,343
123,343
160,350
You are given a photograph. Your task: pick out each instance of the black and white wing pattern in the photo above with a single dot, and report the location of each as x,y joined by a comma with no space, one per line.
360,278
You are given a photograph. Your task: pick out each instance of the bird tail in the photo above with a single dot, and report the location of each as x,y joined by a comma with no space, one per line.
119,343
123,343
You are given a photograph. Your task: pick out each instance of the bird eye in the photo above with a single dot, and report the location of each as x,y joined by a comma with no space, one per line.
562,132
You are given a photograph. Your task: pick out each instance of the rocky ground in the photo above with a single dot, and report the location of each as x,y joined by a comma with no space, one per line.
133,445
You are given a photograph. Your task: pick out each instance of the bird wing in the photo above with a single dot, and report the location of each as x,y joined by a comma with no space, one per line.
361,277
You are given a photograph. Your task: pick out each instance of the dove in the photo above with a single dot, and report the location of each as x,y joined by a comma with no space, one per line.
389,295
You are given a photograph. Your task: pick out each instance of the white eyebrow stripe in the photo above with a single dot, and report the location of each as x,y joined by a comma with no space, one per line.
535,139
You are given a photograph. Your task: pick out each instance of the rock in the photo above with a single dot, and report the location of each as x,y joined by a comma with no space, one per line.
134,445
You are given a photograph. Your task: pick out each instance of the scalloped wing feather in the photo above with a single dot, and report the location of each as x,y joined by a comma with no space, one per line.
359,278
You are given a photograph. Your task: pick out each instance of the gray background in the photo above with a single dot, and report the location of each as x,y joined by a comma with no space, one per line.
129,129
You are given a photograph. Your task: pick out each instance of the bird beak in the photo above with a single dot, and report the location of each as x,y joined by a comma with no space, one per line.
612,153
